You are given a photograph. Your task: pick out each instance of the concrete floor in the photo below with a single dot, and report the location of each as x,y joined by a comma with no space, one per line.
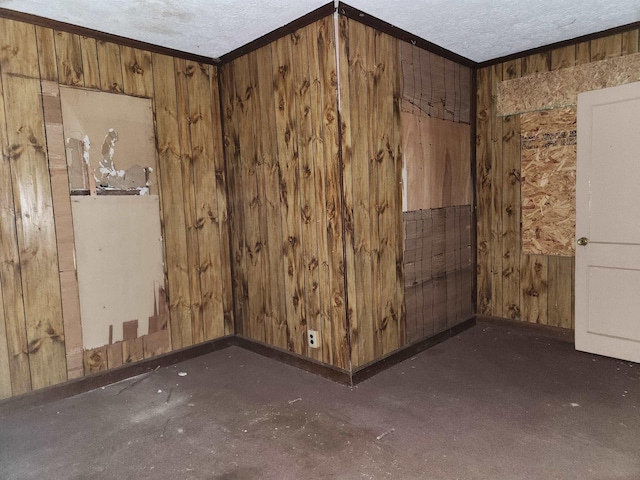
495,402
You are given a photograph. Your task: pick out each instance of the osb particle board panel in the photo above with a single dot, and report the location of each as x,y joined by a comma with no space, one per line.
437,162
560,88
433,86
548,142
119,258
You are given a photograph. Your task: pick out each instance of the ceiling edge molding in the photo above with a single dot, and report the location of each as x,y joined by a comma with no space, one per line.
102,36
289,28
373,22
563,43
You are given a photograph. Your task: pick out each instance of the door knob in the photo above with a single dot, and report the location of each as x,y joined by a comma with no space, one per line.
582,241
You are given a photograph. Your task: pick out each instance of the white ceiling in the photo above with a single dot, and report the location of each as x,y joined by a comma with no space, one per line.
477,29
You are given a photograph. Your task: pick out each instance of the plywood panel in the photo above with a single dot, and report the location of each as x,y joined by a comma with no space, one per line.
548,181
118,279
437,161
560,88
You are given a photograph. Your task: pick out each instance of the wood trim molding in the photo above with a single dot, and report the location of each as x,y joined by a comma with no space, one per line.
102,36
287,29
400,34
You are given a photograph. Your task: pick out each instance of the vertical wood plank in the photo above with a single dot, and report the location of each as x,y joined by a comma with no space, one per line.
290,194
137,72
534,269
36,229
563,57
10,272
5,367
307,177
533,284
347,154
189,199
47,54
260,201
114,355
560,291
337,322
170,181
538,62
583,52
497,200
359,119
319,199
254,321
18,50
386,208
69,58
511,167
110,67
606,47
630,42
236,210
222,201
484,179
207,221
95,360
90,62
275,317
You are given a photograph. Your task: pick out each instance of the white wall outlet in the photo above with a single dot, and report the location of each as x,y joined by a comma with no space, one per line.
313,338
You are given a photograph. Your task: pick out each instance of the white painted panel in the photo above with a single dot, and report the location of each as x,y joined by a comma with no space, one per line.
119,263
608,215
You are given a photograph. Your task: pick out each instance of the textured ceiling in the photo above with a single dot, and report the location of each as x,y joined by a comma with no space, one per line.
477,29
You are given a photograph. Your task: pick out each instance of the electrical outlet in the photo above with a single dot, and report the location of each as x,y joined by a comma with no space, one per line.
313,338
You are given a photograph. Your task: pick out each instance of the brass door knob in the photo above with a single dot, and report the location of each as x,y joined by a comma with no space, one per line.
582,241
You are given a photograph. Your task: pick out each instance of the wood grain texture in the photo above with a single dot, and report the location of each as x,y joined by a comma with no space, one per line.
110,67
47,54
289,158
188,192
590,64
137,72
338,355
36,229
223,205
207,212
69,57
18,49
437,160
10,271
90,66
170,180
484,177
275,307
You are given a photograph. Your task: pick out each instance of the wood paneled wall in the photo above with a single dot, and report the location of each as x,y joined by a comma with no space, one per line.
39,341
370,96
281,136
532,288
309,207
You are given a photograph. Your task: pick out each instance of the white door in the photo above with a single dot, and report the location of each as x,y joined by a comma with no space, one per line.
608,221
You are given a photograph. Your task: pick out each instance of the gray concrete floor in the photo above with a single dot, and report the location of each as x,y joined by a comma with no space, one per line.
495,402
